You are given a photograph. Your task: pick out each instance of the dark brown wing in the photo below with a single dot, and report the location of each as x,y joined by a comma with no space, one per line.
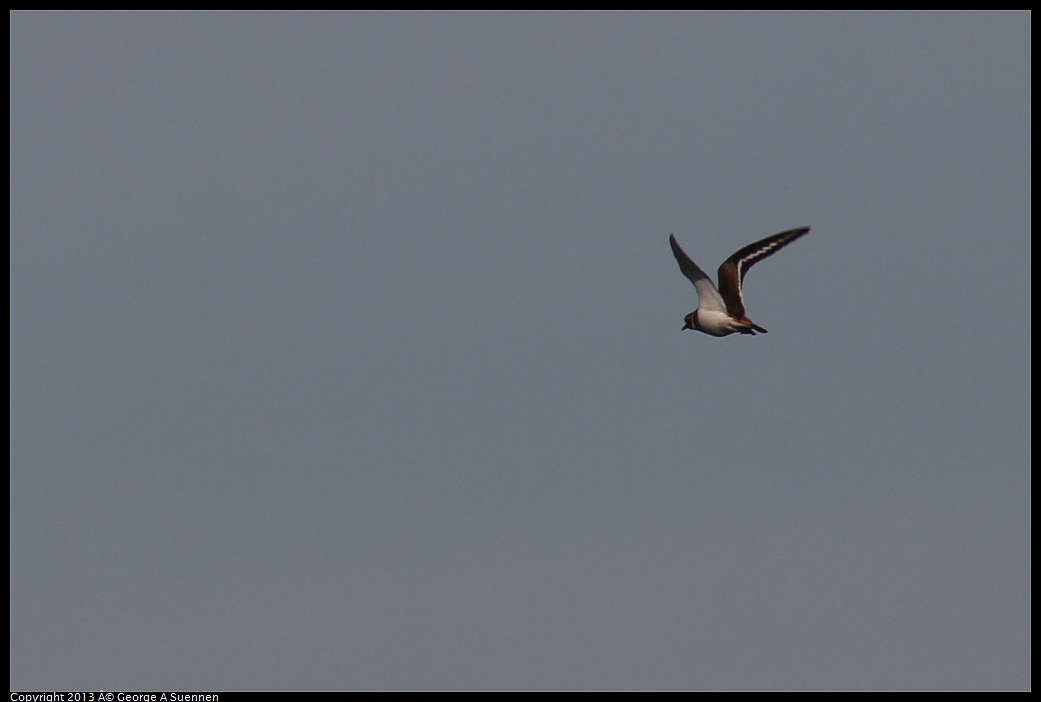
732,272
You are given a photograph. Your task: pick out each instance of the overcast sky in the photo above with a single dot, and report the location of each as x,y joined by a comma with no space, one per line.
346,351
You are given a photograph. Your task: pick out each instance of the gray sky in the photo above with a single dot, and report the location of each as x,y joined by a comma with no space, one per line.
346,351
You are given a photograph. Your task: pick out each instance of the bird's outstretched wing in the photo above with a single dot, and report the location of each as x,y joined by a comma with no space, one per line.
732,272
708,296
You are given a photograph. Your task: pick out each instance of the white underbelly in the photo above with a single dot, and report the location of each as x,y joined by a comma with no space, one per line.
716,323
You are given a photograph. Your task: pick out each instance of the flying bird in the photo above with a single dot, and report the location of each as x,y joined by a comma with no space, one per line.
722,312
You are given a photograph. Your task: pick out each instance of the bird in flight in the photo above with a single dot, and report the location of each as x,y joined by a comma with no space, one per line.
721,312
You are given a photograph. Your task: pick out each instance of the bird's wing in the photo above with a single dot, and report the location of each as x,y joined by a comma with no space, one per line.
708,296
732,272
